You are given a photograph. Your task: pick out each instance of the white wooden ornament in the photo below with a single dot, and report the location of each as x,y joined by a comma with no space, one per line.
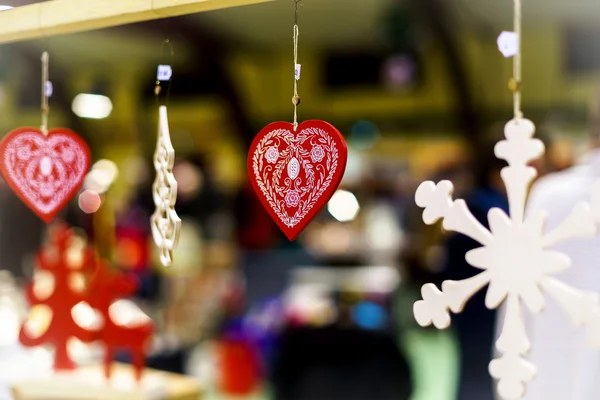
165,223
515,259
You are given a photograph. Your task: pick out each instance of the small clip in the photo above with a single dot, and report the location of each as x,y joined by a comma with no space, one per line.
508,44
164,73
48,89
297,71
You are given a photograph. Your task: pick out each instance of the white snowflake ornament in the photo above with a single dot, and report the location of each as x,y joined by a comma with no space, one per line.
515,259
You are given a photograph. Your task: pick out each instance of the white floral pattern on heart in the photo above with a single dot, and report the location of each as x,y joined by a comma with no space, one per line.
290,193
317,153
272,155
39,167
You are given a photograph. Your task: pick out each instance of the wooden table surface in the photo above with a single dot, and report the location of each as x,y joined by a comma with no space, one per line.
85,384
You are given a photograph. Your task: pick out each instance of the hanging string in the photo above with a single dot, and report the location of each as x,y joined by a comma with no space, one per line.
516,81
45,92
158,88
45,84
296,98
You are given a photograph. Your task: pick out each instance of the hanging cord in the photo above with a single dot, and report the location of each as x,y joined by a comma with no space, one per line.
158,88
45,92
296,98
515,83
46,84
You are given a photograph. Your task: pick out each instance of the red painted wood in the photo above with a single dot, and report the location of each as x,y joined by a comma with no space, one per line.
52,258
295,173
45,172
106,287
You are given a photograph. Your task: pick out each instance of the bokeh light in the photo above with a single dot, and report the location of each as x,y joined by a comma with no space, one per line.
343,206
93,106
89,201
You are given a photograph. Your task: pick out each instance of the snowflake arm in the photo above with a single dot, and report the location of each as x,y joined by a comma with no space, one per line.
512,370
438,204
519,149
434,307
579,223
579,305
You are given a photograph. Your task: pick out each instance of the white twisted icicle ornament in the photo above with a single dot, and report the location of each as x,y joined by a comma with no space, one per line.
516,259
165,223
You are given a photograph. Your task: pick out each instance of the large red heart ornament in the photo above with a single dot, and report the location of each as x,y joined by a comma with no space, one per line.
295,173
44,171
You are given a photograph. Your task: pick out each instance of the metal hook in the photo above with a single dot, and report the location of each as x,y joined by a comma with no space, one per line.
296,3
158,88
162,48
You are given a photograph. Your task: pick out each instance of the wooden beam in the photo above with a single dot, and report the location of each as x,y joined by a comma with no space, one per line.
59,17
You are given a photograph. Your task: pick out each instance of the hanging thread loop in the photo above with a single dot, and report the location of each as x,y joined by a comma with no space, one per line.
46,92
296,98
515,83
164,72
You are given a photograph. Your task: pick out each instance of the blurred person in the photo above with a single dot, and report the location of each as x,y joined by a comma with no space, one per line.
566,367
475,325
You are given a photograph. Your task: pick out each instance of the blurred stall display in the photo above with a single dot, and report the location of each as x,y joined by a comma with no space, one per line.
13,308
44,169
355,167
238,358
383,233
190,254
333,239
358,297
371,279
132,248
364,135
194,305
202,364
310,304
337,322
370,315
190,178
16,361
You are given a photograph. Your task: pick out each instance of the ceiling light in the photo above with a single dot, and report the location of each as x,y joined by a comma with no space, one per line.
4,8
93,106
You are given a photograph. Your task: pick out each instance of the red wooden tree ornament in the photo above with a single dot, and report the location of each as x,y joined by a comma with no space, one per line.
106,287
102,288
45,171
295,172
55,259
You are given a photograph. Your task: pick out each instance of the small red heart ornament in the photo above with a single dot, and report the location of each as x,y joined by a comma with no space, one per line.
295,172
44,171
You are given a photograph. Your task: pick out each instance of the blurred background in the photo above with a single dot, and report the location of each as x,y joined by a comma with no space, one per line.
419,90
